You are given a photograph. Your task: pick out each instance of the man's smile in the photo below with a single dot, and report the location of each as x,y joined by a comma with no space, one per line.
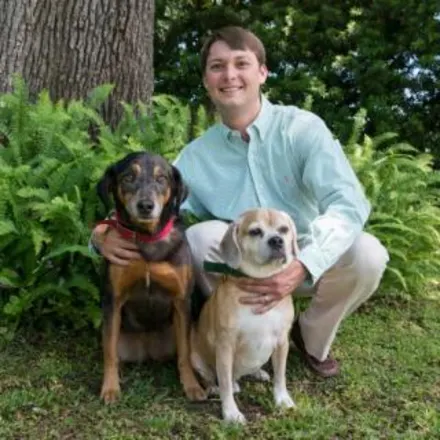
231,90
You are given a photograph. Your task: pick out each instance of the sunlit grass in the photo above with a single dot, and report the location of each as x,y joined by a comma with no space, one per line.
389,388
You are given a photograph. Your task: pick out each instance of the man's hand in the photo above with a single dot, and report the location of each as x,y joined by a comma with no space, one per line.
266,293
113,247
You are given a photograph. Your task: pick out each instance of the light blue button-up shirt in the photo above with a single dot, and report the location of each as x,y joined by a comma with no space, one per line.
292,163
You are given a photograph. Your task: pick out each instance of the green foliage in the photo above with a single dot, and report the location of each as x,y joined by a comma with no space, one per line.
403,189
381,55
51,156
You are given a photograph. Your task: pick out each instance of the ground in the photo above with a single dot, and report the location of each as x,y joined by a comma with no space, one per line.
389,388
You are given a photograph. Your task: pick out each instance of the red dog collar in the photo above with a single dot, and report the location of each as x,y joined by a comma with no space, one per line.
128,234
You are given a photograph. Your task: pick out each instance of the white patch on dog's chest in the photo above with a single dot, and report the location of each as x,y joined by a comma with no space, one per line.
258,337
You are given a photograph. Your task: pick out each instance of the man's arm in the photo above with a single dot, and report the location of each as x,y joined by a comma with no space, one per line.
343,207
186,166
328,177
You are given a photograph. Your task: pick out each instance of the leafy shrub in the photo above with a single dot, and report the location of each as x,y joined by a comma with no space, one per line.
404,192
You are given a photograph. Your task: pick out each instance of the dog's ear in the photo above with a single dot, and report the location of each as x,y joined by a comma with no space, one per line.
295,247
179,190
104,187
229,247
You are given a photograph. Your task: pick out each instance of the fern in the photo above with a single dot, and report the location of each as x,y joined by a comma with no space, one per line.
400,182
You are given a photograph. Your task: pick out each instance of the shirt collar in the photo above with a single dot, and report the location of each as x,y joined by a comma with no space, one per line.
260,125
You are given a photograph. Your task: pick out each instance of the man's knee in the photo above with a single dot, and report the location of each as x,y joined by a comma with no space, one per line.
204,241
204,236
206,232
367,256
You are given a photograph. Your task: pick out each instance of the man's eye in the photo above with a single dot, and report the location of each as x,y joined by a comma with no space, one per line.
243,64
255,232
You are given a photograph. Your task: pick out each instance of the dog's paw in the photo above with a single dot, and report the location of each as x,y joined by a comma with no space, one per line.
196,393
233,416
262,375
110,394
283,400
214,391
235,387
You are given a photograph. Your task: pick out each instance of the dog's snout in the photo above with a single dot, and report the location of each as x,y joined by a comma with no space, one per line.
145,206
276,242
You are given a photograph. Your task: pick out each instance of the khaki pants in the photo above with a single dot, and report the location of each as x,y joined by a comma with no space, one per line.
338,293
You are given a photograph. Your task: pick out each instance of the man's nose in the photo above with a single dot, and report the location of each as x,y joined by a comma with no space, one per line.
230,72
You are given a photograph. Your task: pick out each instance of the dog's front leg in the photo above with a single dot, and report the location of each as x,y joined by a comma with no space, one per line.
279,360
224,360
191,386
110,389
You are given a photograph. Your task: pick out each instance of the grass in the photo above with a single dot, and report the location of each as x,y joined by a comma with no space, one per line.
389,388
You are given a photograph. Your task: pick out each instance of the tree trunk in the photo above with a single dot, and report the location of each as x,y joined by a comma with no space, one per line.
71,46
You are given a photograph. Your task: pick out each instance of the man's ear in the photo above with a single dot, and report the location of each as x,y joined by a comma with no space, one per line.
264,72
179,190
105,187
229,247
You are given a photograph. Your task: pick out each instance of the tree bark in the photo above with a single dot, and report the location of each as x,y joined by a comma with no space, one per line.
71,46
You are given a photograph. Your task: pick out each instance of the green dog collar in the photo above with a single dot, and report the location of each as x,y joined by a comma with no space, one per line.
222,268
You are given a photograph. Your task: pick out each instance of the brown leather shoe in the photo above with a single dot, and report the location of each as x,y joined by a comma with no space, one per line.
327,368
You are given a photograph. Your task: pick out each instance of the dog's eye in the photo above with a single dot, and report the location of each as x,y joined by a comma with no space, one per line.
161,179
255,232
283,229
128,178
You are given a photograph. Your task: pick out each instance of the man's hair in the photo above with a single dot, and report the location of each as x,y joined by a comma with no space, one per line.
236,38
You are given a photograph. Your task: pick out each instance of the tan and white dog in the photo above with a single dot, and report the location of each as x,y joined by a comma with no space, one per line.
230,340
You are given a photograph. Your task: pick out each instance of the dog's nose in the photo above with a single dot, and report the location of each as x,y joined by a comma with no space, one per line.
145,206
275,242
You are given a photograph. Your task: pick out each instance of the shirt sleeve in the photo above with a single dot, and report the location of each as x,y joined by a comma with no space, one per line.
186,167
343,208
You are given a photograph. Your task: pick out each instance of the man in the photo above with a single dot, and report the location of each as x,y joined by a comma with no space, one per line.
265,155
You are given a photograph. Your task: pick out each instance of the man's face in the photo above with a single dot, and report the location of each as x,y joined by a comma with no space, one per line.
233,77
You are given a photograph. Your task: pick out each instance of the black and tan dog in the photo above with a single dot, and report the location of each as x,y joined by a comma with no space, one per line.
146,304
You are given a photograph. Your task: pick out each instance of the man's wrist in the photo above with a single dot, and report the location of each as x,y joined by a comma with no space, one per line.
98,237
305,272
